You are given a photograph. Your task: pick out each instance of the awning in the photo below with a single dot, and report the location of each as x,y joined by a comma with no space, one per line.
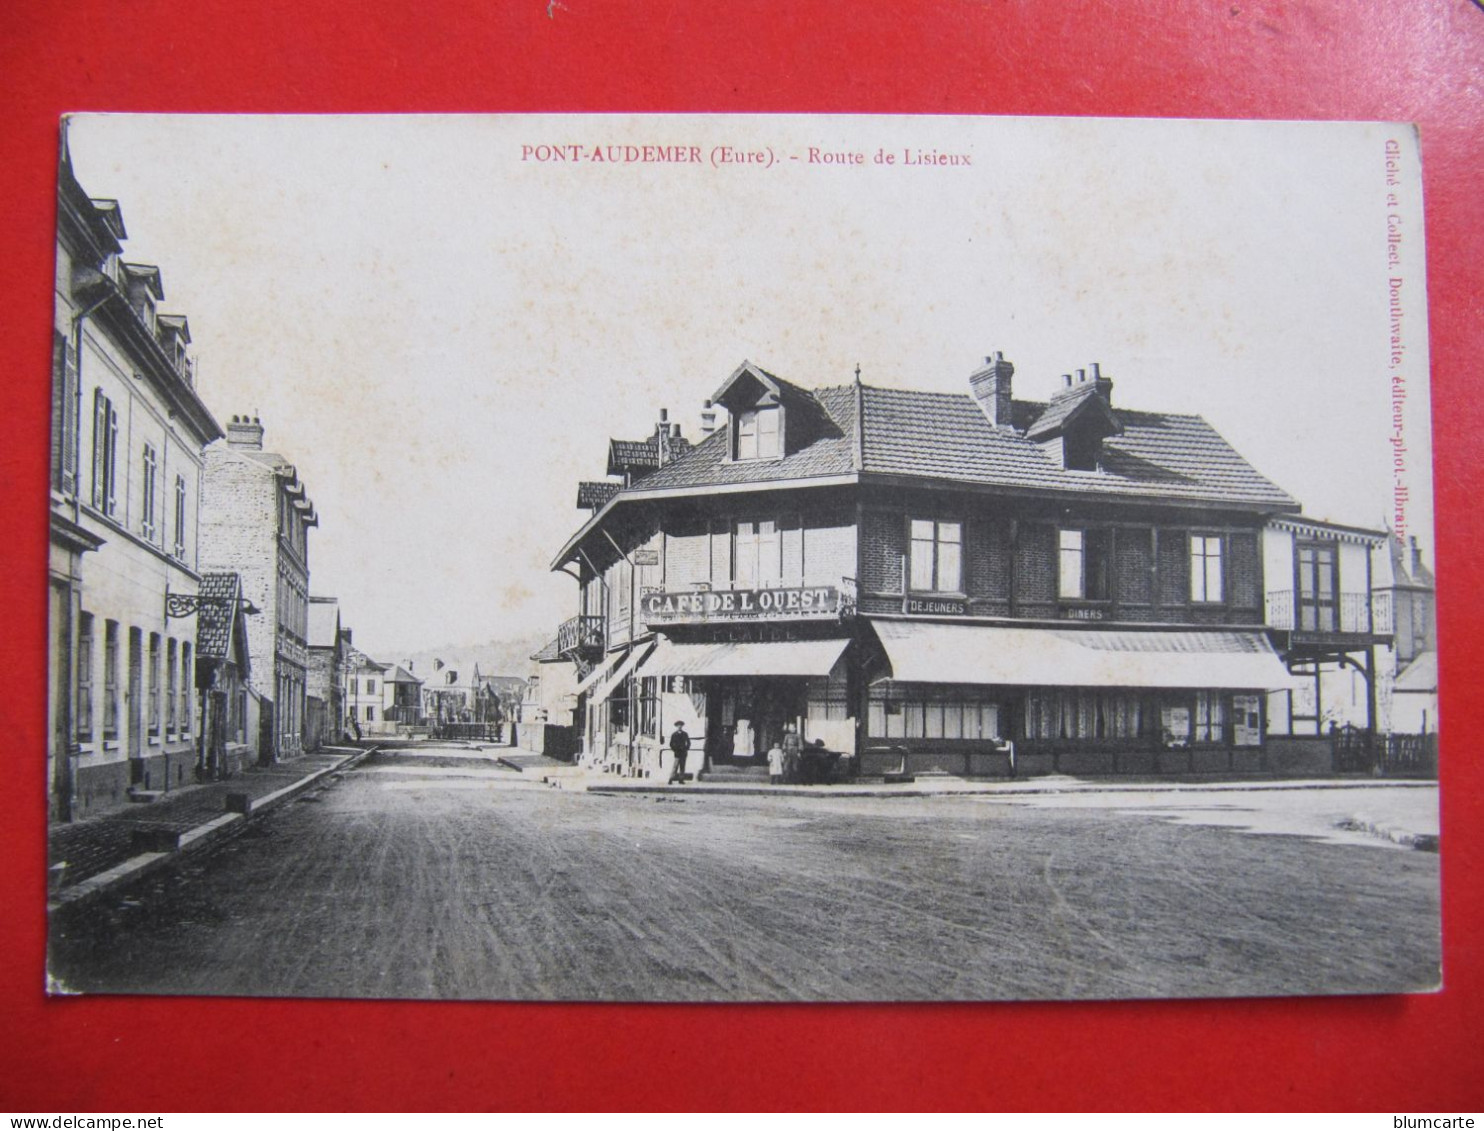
631,661
1051,657
599,672
779,657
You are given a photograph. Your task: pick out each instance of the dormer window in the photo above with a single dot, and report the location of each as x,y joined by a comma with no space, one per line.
763,409
759,435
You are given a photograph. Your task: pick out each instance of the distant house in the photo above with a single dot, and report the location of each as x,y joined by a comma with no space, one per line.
324,678
401,696
365,698
547,722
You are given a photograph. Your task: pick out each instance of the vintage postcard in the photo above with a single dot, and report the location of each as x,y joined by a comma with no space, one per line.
726,558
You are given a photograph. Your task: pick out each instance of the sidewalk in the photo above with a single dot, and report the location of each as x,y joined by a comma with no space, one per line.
94,854
939,785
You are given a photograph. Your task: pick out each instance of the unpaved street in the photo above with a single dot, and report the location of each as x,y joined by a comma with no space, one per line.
446,875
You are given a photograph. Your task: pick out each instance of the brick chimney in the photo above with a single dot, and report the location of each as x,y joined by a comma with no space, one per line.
1103,384
991,388
245,432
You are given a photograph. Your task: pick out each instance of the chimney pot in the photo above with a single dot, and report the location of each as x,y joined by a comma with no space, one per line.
1066,379
664,415
245,434
1095,370
1081,376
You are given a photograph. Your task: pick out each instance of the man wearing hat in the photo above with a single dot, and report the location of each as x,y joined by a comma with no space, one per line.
680,747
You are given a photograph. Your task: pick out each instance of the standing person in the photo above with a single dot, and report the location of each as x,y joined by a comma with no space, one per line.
679,747
793,753
775,765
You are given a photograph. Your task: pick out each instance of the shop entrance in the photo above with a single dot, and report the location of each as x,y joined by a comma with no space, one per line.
745,717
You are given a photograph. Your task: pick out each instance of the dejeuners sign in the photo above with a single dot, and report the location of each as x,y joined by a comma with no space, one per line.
818,601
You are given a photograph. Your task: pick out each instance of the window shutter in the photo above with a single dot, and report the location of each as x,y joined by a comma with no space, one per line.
113,447
69,418
100,448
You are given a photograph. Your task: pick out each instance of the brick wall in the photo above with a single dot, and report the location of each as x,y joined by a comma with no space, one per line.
1036,570
883,544
1244,571
687,555
987,559
829,554
1174,568
1133,566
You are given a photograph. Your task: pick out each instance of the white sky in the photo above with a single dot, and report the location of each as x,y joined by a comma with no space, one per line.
443,337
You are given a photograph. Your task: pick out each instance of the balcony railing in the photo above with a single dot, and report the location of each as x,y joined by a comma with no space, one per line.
579,635
1344,613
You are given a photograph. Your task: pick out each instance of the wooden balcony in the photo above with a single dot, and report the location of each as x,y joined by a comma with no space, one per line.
1344,617
580,636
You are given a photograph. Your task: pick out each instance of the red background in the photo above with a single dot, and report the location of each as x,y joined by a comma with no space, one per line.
1422,61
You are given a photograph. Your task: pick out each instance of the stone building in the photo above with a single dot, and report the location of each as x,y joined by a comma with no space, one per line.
255,522
975,583
128,428
365,695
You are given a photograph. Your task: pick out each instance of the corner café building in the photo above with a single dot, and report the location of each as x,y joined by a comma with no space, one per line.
966,582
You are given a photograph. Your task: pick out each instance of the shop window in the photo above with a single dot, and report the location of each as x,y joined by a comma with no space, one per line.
1210,717
937,556
618,704
937,714
1069,714
649,707
759,433
1205,567
1082,565
84,677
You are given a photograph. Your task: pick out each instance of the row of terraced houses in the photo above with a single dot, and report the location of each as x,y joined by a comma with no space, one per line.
972,583
180,639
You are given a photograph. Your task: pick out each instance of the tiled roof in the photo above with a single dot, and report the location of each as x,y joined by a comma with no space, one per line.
831,425
548,652
594,493
945,436
1420,675
1067,403
214,617
625,454
396,673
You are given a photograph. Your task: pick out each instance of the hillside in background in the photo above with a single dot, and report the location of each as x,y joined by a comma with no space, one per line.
507,658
